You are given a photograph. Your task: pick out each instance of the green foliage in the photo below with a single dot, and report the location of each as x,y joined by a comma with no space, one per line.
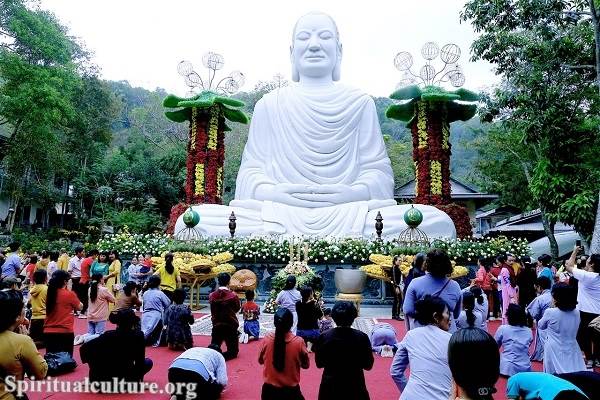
205,99
137,221
413,93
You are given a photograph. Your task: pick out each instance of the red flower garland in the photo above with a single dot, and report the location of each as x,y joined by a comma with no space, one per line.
211,159
177,210
435,114
460,216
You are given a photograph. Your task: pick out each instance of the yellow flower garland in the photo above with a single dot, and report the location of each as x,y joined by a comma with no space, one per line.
436,178
219,179
199,183
194,127
422,125
416,178
445,136
212,130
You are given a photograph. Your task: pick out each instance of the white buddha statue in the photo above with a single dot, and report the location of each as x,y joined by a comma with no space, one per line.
315,162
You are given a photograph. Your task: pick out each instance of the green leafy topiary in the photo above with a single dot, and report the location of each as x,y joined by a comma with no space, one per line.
413,93
205,99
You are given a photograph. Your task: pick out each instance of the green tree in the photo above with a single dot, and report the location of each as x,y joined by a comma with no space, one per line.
547,100
38,70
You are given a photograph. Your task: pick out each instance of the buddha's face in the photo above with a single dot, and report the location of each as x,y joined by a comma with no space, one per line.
315,48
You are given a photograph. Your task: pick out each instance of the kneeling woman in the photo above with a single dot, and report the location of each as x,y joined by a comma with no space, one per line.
283,354
426,350
120,353
155,304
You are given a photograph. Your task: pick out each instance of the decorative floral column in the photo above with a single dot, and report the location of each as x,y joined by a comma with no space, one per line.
429,112
431,153
206,114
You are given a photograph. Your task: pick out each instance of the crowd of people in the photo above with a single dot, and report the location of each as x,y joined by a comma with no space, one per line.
546,315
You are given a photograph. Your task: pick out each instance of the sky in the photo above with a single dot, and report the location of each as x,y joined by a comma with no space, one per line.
143,41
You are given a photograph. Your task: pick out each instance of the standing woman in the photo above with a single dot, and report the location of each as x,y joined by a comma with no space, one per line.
288,297
484,279
60,305
169,276
588,297
536,310
113,279
436,283
425,349
397,292
561,351
100,266
417,270
283,354
474,362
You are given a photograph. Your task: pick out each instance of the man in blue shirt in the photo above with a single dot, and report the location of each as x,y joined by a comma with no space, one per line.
12,265
542,386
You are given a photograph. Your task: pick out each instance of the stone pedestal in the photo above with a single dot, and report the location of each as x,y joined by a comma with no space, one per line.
354,298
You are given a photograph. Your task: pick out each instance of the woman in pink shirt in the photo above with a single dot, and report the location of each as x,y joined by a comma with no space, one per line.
97,312
509,291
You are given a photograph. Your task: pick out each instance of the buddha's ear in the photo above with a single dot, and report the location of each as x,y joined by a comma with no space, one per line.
295,73
337,70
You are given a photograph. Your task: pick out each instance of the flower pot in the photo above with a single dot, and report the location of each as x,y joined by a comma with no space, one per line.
350,281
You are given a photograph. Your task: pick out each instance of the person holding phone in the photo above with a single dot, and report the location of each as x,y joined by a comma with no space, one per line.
588,299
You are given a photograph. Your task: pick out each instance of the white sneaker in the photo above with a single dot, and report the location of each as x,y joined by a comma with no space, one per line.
82,316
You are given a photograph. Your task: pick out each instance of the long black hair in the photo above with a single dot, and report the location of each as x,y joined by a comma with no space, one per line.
169,263
565,296
58,281
476,379
96,279
290,282
428,309
128,288
468,300
478,293
11,304
283,320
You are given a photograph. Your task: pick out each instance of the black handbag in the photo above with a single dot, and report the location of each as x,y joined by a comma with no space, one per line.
60,363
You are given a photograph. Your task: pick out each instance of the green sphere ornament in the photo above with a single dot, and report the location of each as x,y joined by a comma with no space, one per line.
413,217
191,218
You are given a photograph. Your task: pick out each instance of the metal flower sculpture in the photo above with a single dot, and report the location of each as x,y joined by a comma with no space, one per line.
206,108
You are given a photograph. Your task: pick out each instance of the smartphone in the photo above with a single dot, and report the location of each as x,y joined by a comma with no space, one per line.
578,243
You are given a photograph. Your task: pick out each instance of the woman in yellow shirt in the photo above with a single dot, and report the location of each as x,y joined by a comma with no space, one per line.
113,279
169,276
18,355
63,260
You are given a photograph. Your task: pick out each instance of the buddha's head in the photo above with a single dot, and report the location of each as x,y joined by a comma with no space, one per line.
316,51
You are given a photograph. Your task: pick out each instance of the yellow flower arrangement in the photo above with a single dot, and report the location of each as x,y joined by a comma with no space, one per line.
212,128
375,271
422,126
194,127
380,259
436,177
228,268
199,183
222,257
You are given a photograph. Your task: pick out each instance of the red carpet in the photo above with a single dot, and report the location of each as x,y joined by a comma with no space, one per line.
245,374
